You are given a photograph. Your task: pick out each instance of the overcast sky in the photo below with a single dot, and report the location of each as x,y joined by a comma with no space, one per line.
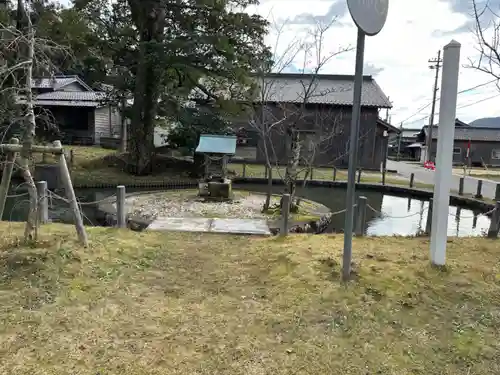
398,56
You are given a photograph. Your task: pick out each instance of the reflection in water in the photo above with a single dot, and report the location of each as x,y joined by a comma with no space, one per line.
389,215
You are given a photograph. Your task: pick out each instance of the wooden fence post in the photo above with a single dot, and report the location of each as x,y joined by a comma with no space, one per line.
285,212
7,176
461,186
428,225
359,175
383,176
479,194
244,170
43,202
497,193
311,176
121,211
70,194
495,221
361,216
334,174
412,180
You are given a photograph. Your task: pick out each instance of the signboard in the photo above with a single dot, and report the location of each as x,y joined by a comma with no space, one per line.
369,15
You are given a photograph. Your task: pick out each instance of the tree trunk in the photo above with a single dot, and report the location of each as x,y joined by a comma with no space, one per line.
269,192
30,231
149,18
123,132
292,166
304,184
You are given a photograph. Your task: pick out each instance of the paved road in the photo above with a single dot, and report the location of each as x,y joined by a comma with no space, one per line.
427,177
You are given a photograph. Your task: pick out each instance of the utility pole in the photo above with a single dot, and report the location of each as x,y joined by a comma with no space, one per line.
399,140
436,64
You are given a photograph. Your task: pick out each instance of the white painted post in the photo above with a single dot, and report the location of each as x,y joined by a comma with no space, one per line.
444,157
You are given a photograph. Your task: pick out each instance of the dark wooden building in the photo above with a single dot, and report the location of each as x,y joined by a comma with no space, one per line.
68,109
484,144
319,108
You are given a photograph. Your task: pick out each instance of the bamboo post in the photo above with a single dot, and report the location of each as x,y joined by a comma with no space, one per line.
43,202
121,212
70,194
360,227
285,212
495,221
412,180
7,176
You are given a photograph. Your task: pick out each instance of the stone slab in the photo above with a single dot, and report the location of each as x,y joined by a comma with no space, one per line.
182,224
240,226
232,226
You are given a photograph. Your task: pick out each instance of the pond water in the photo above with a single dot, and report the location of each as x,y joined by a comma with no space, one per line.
387,214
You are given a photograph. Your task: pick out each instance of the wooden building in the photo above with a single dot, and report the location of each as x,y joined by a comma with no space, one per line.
68,108
319,108
484,144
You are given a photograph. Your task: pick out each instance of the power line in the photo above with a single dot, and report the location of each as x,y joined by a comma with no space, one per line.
428,104
463,106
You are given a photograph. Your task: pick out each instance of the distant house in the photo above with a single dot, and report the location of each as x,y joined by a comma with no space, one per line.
323,122
405,143
484,144
67,107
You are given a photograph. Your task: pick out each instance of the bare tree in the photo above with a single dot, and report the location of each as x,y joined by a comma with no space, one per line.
16,80
304,132
487,33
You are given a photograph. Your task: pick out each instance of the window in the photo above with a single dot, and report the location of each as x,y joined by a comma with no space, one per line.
495,154
457,151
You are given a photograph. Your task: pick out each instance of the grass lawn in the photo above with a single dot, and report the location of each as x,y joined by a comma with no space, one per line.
158,303
253,170
96,165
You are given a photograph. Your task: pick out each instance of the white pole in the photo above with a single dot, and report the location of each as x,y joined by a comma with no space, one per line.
444,160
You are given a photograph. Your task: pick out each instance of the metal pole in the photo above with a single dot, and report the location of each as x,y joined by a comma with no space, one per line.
433,108
444,164
353,153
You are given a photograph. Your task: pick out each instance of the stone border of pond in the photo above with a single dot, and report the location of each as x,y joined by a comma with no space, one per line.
106,213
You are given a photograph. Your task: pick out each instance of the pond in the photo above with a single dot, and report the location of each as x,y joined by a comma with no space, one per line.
386,215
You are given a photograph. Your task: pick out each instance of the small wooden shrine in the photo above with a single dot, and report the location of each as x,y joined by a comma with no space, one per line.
217,150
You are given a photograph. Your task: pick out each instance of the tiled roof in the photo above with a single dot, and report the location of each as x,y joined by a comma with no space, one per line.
217,144
323,89
474,134
93,96
58,82
68,99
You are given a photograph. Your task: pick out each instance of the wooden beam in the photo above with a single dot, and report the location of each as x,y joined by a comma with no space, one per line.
34,148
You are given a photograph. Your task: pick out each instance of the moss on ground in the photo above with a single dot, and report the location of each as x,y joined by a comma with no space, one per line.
151,303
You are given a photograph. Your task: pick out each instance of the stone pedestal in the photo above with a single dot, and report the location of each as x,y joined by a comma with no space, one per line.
220,189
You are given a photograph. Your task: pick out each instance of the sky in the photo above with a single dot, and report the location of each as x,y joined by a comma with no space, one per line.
398,56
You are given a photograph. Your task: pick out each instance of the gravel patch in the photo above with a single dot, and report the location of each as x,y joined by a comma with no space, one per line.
187,203
151,206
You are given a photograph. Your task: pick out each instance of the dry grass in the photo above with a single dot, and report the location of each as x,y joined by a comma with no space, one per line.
169,303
